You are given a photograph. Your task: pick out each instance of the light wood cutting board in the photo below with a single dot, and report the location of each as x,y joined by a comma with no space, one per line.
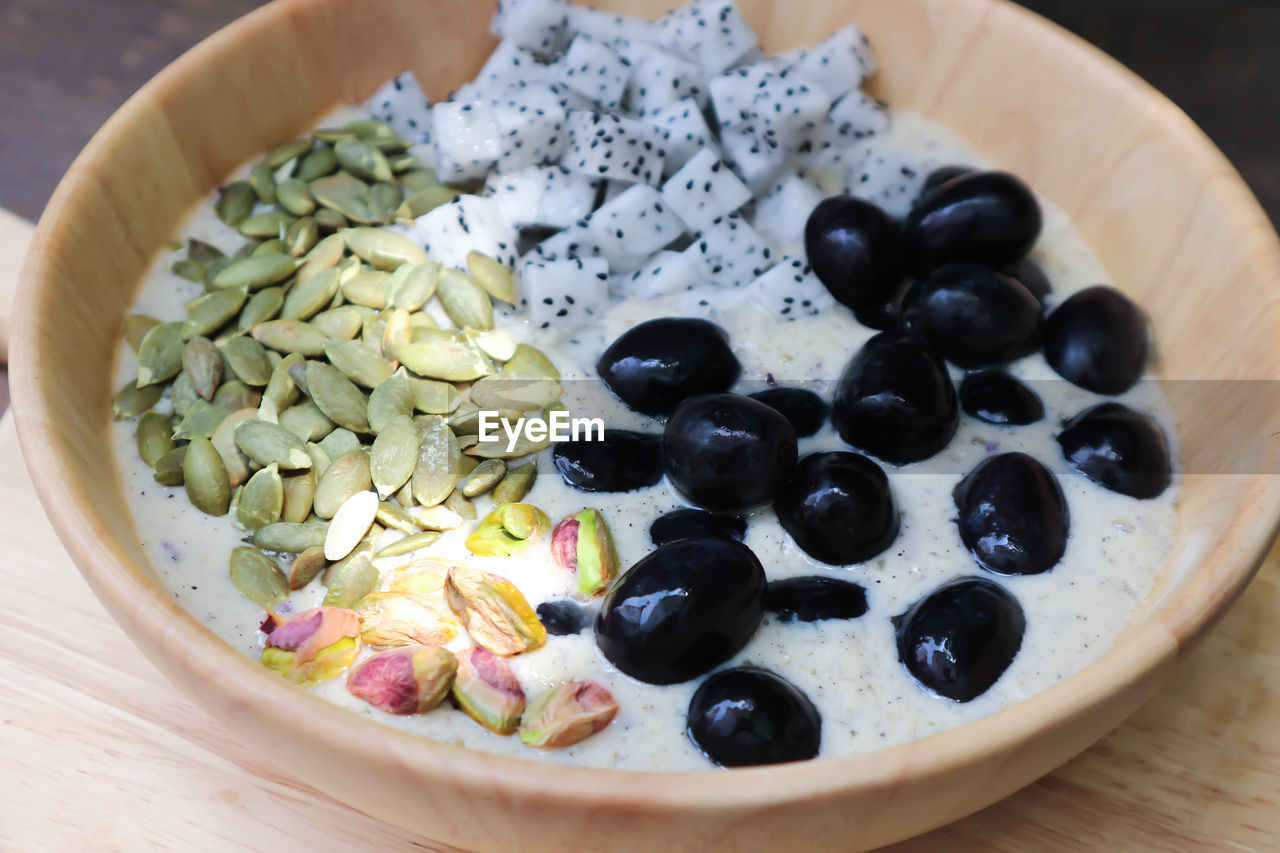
99,752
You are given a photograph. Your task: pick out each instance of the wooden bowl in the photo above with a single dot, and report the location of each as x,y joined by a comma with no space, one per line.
1164,210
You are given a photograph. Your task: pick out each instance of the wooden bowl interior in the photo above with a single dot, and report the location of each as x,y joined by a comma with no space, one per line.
1167,215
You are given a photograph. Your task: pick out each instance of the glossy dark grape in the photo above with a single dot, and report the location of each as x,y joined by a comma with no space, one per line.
1013,516
682,610
623,462
855,248
655,365
1032,278
941,175
746,716
895,400
838,508
997,398
727,452
1098,340
1118,448
805,409
693,523
881,315
973,315
563,618
814,598
960,639
985,217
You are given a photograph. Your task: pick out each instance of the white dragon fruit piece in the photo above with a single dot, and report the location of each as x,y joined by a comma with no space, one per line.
781,215
530,124
469,222
731,252
790,290
466,140
889,178
733,93
792,110
508,65
402,105
756,157
538,25
857,116
633,226
594,71
572,242
659,78
603,145
608,27
666,272
838,65
712,33
684,132
566,294
704,189
544,196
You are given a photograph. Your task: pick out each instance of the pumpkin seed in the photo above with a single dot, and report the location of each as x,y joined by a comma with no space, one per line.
247,360
457,503
290,538
236,395
323,255
368,288
205,478
202,363
404,497
392,398
438,517
394,456
397,330
337,396
362,160
329,221
485,476
435,472
136,327
412,285
287,151
282,391
262,306
345,194
299,491
523,445
154,437
160,354
492,276
293,195
235,203
302,236
317,164
424,201
419,179
494,343
182,396
529,363
258,577
266,443
358,362
374,329
346,475
338,442
201,422
392,517
349,525
245,251
224,441
306,567
409,544
262,499
256,272
443,354
131,401
188,269
168,468
501,392
310,296
383,249
515,486
275,246
263,182
343,322
290,336
306,421
466,302
356,579
320,460
208,313
433,398
266,225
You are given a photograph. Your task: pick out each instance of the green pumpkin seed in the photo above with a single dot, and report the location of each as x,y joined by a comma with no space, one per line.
306,567
263,182
338,442
337,396
317,164
350,523
358,362
224,441
368,129
131,401
500,392
290,336
324,255
383,249
154,437
523,445
391,399
205,478
409,544
293,195
235,395
235,203
275,246
287,151
433,398
486,476
362,160
201,422
247,360
437,517
515,486
384,199
495,343
397,330
356,579
444,354
182,396
256,272
310,296
346,475
344,194
281,391
393,517
435,471
168,468
320,460
262,306
368,288
424,201
302,236
460,505
136,327
188,269
289,537
266,225
412,285
208,313
330,221
258,577
261,499
394,456
202,364
529,363
299,491
266,443
343,323
492,276
202,252
306,421
245,251
466,302
419,179
160,354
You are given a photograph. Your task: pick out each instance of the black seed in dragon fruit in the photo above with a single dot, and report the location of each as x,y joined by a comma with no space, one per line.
541,196
705,189
539,25
790,290
791,109
887,177
666,272
566,294
659,78
781,215
838,65
732,93
603,145
573,242
403,106
857,116
466,140
633,226
731,252
756,157
468,223
594,71
712,33
684,132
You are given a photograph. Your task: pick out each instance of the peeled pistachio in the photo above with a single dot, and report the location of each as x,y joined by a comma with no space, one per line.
391,399
349,524
358,361
424,577
262,499
346,475
337,396
350,581
224,441
306,567
394,456
493,611
568,714
299,491
160,354
583,545
488,691
508,530
436,471
515,486
208,313
131,401
205,478
466,302
235,203
203,365
401,619
383,249
409,544
288,336
136,327
154,437
258,576
313,646
408,680
492,276
201,422
266,443
168,468
288,537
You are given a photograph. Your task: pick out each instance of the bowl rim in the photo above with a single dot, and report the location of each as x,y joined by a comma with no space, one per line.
187,647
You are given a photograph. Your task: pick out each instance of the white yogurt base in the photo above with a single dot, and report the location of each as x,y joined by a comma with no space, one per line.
1117,549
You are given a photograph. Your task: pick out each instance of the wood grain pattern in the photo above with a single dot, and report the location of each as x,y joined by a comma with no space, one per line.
1166,212
15,235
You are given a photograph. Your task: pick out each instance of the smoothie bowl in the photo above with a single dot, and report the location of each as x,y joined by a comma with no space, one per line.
879,484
